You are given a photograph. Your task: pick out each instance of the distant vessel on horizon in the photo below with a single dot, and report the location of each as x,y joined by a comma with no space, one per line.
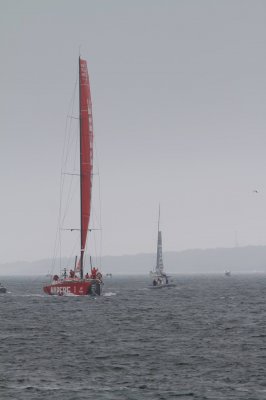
227,273
159,278
2,288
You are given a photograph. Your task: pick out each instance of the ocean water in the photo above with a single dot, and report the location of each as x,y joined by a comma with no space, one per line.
203,339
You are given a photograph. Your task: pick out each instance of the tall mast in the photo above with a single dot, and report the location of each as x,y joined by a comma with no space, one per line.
86,156
159,261
159,219
80,172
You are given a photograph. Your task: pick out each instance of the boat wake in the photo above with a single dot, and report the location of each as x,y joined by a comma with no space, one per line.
109,294
26,295
68,295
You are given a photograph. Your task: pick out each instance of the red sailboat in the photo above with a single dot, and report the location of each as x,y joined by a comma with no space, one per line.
75,283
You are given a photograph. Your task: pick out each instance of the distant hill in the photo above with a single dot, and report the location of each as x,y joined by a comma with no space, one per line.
238,259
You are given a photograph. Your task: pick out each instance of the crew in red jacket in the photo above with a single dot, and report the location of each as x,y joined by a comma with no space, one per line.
94,272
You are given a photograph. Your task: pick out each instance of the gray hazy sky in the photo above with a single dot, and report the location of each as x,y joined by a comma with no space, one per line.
179,107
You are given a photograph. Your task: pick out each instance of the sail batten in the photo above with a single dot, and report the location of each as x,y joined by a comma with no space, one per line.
86,154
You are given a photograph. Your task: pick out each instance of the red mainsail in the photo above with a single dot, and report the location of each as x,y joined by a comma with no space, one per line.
86,153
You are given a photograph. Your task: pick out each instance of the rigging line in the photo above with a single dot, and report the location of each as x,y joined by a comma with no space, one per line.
99,198
68,128
96,241
78,229
70,195
71,191
70,112
62,217
58,245
92,237
69,257
73,250
95,249
68,173
78,174
85,253
100,214
66,139
95,222
68,155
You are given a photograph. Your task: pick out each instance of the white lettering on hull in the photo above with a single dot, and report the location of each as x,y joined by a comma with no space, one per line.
61,290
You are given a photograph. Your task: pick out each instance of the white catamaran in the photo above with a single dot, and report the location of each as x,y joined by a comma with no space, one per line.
159,278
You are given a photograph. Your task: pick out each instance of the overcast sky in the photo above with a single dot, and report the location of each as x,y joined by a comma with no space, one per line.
179,108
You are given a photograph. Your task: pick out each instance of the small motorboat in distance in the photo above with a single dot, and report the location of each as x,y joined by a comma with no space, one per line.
2,288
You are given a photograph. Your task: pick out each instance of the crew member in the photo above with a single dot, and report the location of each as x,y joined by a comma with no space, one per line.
71,273
94,272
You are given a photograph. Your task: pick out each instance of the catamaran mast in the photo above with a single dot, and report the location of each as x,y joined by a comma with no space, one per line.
159,219
159,262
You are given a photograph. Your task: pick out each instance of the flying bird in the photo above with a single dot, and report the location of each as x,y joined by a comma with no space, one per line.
255,191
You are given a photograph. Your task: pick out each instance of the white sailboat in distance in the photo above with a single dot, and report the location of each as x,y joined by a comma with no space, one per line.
159,278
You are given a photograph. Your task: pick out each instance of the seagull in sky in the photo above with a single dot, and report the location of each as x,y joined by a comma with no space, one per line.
255,191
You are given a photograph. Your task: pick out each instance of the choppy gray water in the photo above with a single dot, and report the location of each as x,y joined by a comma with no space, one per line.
204,339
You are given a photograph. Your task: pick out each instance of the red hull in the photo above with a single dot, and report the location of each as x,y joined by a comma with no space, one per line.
77,287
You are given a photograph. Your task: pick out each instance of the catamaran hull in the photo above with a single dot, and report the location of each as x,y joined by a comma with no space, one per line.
168,285
74,288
